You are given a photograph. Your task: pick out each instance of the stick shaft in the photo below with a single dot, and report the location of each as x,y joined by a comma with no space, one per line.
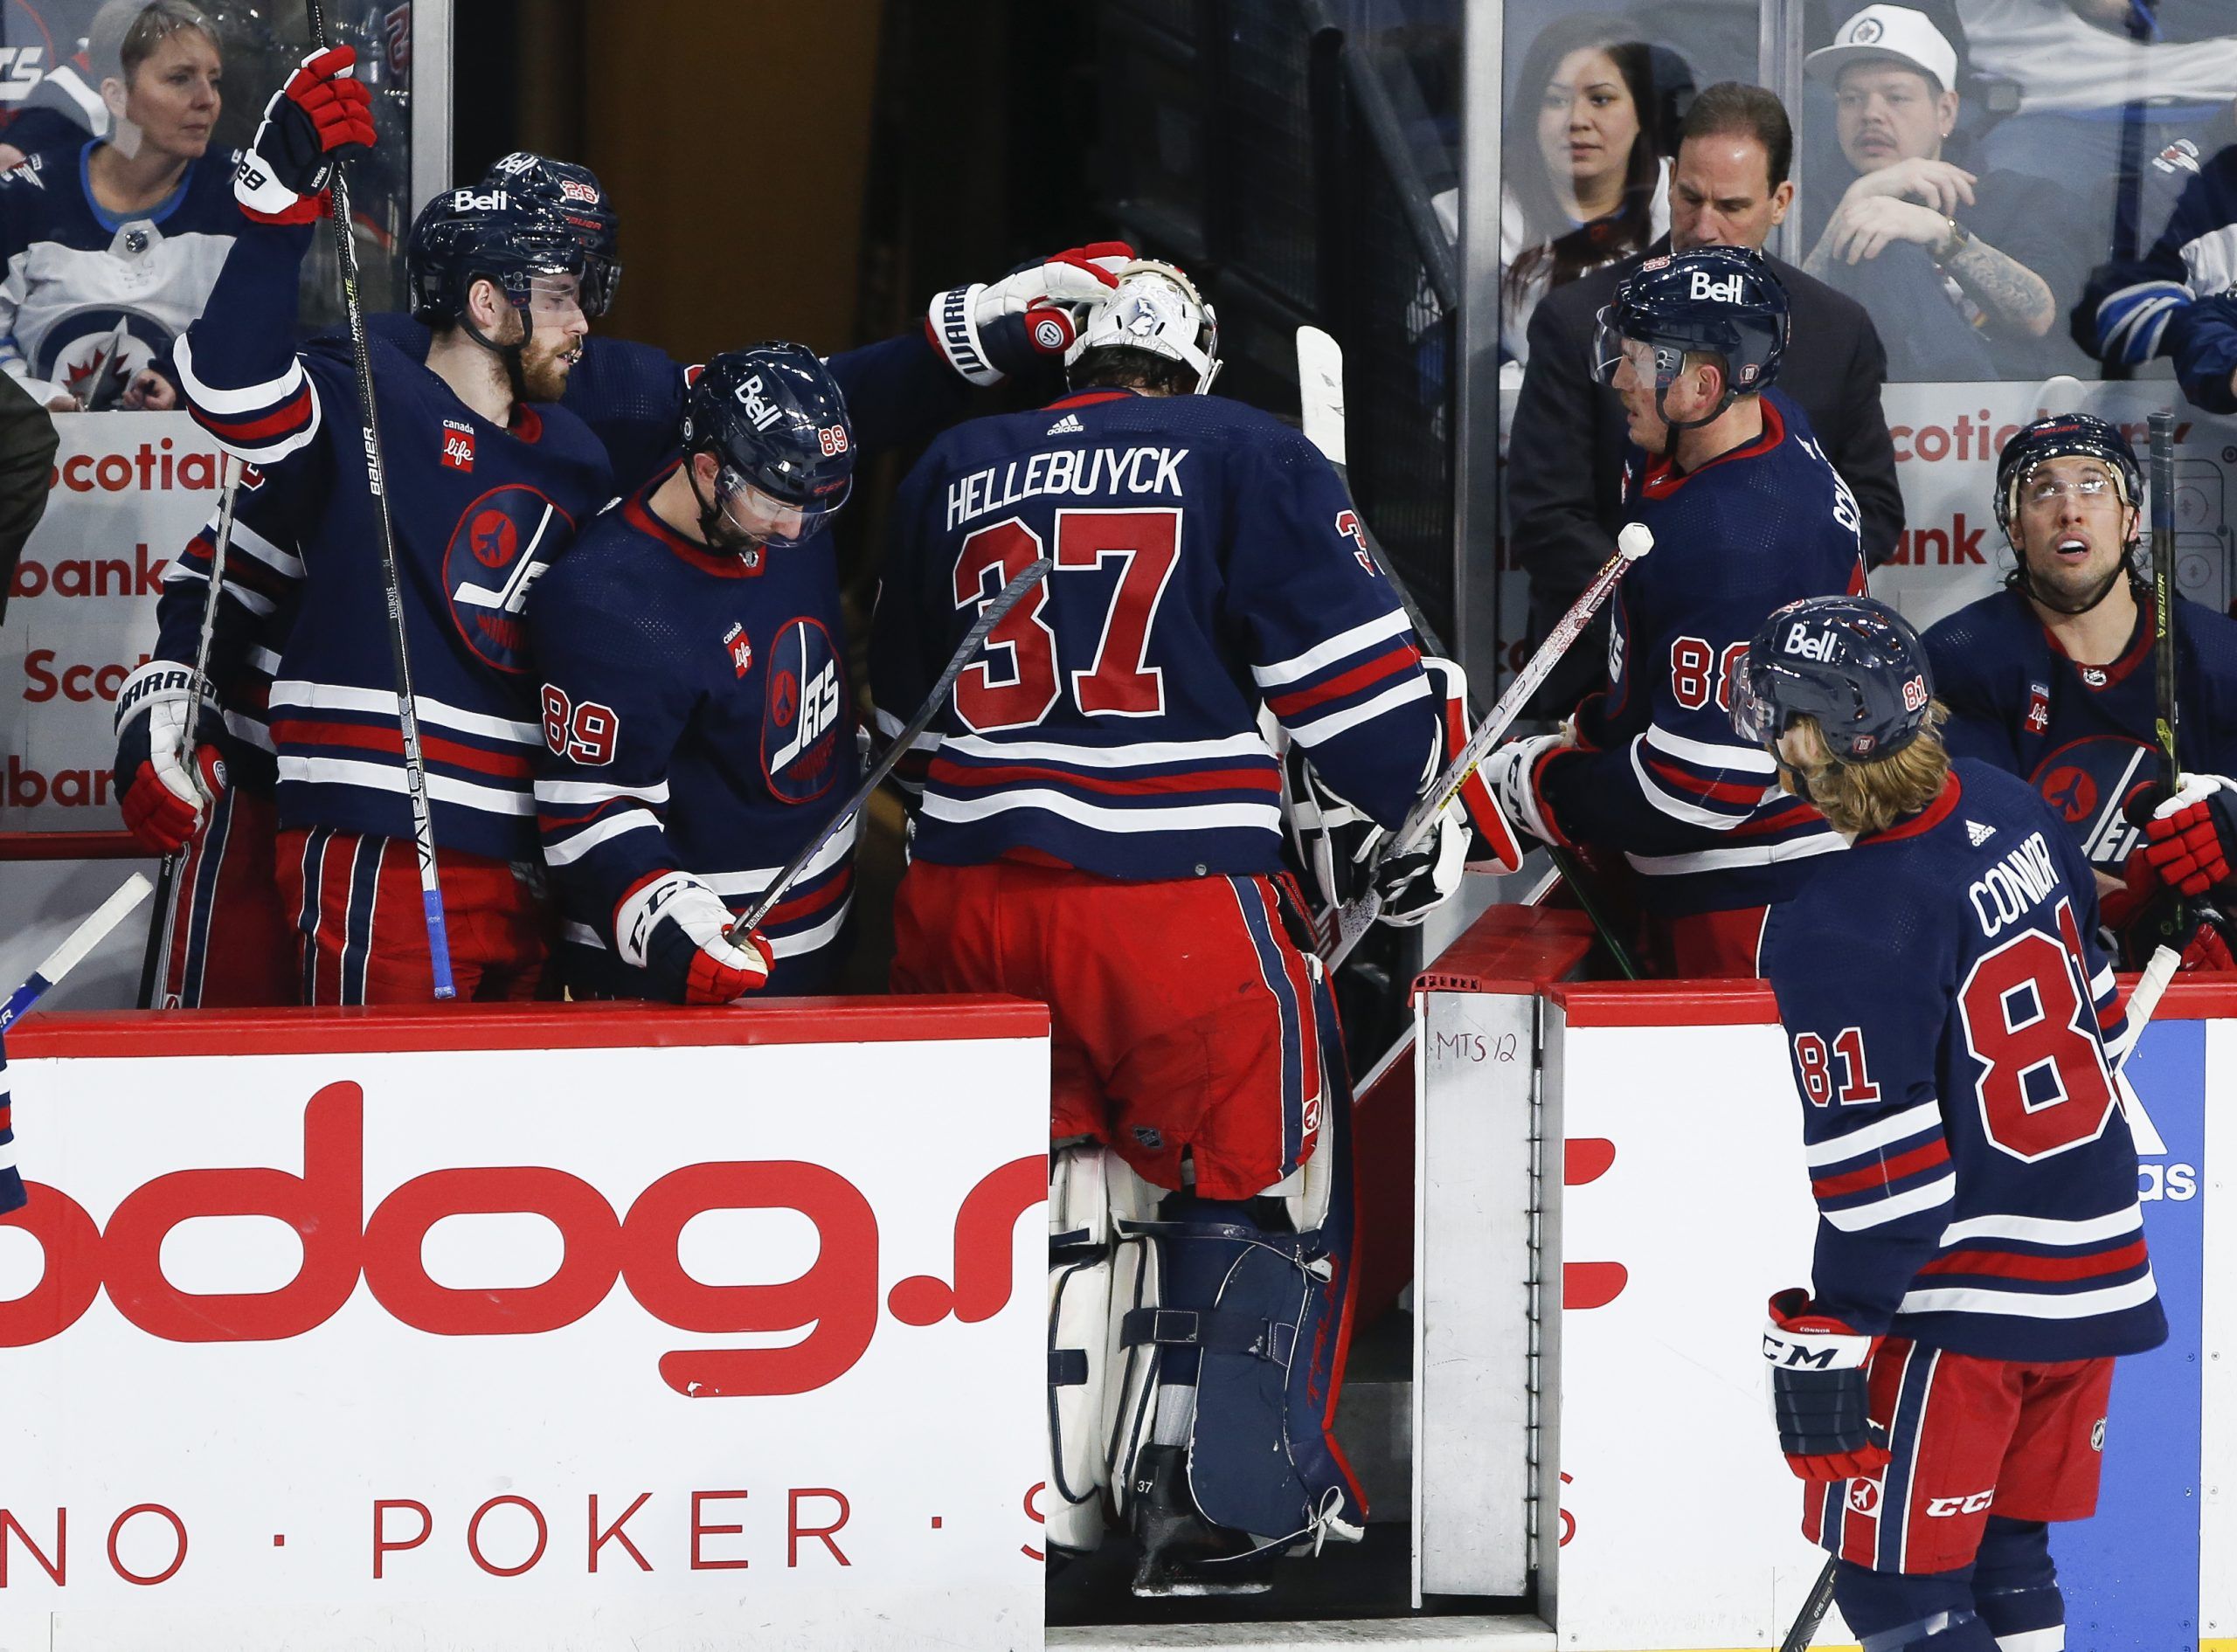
75,945
2162,587
989,617
1814,1607
415,766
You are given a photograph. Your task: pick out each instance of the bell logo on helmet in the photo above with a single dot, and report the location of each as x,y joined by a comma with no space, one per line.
1800,640
514,164
759,409
1727,291
470,200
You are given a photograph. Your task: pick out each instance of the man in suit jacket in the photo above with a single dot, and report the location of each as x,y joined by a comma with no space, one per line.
1566,456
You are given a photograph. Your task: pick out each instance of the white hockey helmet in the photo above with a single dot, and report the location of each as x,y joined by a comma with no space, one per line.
1155,310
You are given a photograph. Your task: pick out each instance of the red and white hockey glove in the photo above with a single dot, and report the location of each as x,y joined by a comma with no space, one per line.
164,778
990,331
2191,840
673,926
321,117
1511,773
1820,1395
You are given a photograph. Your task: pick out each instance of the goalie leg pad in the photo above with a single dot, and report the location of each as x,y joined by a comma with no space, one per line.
1079,1306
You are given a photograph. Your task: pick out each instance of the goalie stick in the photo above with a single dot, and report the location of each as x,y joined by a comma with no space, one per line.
989,617
407,712
1321,389
1355,918
2143,1000
155,968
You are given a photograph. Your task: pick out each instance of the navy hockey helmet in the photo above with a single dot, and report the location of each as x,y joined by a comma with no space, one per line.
574,193
482,230
1852,663
776,422
2064,436
1721,301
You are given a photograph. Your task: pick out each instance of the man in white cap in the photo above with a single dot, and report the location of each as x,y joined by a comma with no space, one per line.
1973,266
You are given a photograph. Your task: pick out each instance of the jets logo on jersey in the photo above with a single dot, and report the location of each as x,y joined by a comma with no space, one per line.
802,715
94,354
2090,783
490,563
1349,524
741,648
458,446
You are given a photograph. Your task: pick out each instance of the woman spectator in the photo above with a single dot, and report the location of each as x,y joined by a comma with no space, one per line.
111,246
1586,182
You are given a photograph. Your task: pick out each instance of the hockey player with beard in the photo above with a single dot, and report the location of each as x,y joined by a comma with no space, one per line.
1100,828
2052,679
487,478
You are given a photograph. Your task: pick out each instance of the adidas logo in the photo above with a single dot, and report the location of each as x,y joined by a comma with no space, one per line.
1978,832
1068,426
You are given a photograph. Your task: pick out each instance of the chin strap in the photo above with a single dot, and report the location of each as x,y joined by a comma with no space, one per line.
2033,592
713,525
1673,428
515,379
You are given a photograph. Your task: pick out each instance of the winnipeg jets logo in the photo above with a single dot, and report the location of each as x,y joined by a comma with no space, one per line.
1068,426
1978,832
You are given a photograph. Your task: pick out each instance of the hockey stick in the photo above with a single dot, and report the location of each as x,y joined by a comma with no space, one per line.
407,714
155,968
81,941
2143,1002
1354,918
2162,589
989,617
1320,388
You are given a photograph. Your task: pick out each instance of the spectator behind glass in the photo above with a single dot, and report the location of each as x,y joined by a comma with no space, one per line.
1567,458
111,246
2180,299
1971,270
1586,183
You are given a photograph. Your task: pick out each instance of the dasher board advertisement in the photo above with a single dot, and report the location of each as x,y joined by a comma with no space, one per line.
543,1348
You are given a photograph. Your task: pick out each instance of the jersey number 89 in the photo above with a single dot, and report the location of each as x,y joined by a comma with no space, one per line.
1017,685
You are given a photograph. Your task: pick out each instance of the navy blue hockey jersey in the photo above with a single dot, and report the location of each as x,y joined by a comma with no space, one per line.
89,297
479,510
1207,560
2178,298
1947,1013
2082,734
1657,771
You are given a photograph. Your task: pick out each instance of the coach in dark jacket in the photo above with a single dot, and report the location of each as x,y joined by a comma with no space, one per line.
27,444
1565,456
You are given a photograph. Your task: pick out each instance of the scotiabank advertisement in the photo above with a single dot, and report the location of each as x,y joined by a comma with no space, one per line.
543,1348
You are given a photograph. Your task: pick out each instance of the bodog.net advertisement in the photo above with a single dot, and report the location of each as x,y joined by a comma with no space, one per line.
541,1348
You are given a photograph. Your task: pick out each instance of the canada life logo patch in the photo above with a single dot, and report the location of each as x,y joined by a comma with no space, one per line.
458,446
803,716
491,562
741,648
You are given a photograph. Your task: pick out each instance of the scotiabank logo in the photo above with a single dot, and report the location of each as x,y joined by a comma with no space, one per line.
836,1301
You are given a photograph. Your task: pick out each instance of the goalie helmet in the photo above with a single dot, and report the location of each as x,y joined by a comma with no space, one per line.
776,423
574,194
1851,663
1157,310
479,232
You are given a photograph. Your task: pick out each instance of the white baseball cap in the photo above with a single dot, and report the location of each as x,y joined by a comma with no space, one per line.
1897,32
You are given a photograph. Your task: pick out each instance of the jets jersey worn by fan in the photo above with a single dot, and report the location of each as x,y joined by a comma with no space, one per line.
1658,771
2083,736
1948,1015
479,510
89,297
1206,560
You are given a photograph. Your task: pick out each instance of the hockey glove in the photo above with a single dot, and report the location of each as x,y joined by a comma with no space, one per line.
164,778
322,116
1820,1395
672,928
1512,773
989,331
1415,884
2191,840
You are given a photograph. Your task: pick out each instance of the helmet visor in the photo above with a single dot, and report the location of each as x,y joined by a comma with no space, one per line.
1653,366
759,517
555,299
600,276
1755,717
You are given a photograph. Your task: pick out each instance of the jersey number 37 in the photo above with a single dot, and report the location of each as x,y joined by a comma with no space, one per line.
1018,682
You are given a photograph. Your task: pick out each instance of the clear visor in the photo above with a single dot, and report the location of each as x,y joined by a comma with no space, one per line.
2040,487
763,519
555,299
1755,718
1653,366
601,275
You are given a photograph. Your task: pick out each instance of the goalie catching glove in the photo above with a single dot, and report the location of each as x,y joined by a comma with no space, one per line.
322,115
673,926
164,778
1821,1395
990,331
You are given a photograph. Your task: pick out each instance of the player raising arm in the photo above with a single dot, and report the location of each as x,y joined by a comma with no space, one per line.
2052,679
1747,515
1980,1256
486,479
1100,828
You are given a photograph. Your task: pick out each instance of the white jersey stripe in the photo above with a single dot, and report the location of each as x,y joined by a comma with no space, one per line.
568,850
250,398
1680,808
1184,818
342,772
1911,1121
1346,642
594,791
736,885
1940,1191
2023,1304
1665,866
1742,759
333,696
2044,1230
246,538
1311,734
1142,754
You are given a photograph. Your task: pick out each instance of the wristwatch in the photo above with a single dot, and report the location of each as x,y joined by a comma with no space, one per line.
1954,243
